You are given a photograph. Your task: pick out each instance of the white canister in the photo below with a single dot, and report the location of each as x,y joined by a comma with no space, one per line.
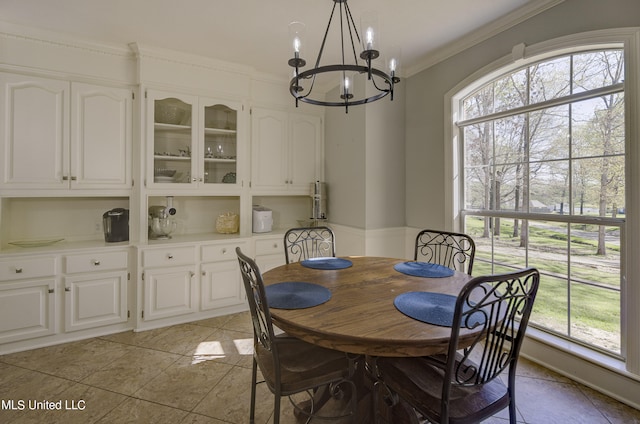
262,219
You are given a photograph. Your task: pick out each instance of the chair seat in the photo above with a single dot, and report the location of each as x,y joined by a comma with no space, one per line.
419,381
302,365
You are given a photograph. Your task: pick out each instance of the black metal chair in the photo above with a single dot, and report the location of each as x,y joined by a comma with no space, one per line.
308,242
463,386
454,250
290,365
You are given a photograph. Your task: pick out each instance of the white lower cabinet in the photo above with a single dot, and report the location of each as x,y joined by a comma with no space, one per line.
270,253
95,288
169,292
172,290
220,280
27,309
27,297
169,282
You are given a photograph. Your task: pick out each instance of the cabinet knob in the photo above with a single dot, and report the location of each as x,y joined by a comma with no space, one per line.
169,256
67,289
74,178
65,178
224,250
191,273
18,270
96,262
275,245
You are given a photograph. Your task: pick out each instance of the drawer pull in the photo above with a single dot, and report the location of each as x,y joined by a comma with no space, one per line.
96,263
169,256
18,270
50,290
67,289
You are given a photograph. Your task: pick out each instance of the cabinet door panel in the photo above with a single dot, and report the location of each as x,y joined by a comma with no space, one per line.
169,292
27,310
269,149
94,300
221,285
35,132
305,150
101,136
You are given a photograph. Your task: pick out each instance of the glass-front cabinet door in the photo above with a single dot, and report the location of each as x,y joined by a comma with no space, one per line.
194,141
172,131
219,141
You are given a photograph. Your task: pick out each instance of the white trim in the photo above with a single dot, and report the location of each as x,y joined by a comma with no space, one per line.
630,38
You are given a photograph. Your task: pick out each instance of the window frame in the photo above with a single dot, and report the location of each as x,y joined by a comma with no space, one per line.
629,40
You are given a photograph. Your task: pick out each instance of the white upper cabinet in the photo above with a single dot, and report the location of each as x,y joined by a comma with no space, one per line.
193,142
62,135
100,136
286,151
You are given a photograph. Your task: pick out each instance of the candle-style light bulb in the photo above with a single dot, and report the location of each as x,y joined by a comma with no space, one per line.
296,35
346,87
296,45
369,45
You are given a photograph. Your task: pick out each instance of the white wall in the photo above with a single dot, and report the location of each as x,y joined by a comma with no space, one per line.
365,163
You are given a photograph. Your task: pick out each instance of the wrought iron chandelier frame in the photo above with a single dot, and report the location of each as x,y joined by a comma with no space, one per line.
347,98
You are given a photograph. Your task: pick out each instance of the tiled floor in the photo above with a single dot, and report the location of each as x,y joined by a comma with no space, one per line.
200,373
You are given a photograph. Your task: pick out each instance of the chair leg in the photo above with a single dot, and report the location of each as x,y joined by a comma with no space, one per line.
254,377
276,407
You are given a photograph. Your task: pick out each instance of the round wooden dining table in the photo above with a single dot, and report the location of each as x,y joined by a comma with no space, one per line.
360,317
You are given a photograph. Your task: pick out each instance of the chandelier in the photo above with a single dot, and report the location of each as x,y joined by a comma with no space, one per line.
359,67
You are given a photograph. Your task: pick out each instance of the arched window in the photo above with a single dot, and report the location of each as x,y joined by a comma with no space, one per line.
540,177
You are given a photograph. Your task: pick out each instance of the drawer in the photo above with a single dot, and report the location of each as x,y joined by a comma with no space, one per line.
99,261
222,252
269,247
168,256
21,268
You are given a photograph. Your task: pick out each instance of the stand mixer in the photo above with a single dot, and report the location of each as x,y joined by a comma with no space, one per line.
161,225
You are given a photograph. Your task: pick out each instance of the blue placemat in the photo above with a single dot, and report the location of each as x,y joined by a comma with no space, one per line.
424,269
327,263
296,295
433,308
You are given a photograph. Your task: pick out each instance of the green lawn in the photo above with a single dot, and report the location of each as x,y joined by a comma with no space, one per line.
595,280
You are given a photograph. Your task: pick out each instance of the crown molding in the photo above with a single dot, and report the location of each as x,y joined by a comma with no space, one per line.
473,38
56,39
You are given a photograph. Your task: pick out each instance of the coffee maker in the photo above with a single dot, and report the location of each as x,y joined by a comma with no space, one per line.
161,225
115,224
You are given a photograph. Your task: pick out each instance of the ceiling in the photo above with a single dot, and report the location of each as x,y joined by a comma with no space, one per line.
255,32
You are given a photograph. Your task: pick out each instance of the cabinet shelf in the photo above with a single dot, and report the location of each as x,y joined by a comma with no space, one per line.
219,131
171,127
187,158
219,160
167,157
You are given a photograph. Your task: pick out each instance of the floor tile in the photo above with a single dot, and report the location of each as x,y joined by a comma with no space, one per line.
74,361
229,401
550,402
131,371
184,383
137,411
200,373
